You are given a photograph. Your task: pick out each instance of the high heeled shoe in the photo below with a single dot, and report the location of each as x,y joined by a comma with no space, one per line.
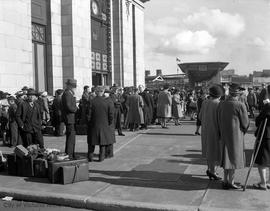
212,176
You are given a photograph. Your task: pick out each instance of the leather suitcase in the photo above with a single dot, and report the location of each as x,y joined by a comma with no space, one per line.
12,165
54,173
76,173
20,151
25,166
40,168
81,129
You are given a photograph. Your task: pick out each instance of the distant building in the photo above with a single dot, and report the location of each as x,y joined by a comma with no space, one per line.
158,80
258,78
226,76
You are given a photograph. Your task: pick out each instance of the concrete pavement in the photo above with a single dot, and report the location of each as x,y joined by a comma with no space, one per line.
157,169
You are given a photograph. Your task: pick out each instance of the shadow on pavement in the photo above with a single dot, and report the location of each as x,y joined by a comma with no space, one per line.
185,182
168,134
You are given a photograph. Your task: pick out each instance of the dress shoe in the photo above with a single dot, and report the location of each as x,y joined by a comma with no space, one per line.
260,186
234,186
212,176
121,134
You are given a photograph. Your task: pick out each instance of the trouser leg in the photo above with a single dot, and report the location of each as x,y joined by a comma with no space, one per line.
102,151
91,150
70,140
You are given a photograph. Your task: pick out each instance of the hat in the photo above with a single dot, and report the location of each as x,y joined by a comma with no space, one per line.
19,93
242,89
31,92
44,94
11,98
166,86
72,82
107,91
234,89
215,91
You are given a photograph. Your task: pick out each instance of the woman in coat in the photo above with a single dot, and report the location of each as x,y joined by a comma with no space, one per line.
135,105
211,148
263,157
176,107
100,121
233,123
164,105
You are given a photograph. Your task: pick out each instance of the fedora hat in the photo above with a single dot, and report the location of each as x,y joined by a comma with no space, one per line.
72,82
234,89
32,92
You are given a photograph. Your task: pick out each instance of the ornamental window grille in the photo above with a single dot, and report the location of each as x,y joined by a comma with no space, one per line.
38,33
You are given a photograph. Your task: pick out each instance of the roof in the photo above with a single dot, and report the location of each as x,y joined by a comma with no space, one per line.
202,71
172,76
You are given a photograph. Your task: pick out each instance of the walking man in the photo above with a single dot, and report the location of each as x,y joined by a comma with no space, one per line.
68,112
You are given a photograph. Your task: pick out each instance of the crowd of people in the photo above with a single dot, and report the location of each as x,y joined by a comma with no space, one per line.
222,113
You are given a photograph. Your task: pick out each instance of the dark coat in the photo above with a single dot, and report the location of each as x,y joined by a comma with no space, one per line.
29,119
69,107
263,157
101,113
233,123
148,107
15,138
57,111
117,110
135,106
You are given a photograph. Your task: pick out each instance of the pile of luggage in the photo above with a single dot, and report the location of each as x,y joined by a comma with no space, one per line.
46,163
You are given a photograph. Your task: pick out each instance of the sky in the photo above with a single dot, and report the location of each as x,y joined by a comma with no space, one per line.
234,31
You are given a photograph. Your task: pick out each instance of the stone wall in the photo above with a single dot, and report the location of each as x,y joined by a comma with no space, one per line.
15,45
54,47
139,36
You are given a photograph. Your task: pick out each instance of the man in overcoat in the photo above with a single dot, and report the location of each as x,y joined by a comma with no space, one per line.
164,105
100,119
233,123
29,119
135,106
69,109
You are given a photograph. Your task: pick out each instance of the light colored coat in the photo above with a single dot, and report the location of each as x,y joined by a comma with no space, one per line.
211,147
176,106
164,104
233,123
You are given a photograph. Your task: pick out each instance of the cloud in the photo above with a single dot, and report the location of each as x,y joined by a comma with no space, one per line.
259,42
162,27
188,42
217,22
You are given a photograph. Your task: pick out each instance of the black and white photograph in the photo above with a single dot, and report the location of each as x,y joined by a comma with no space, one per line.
140,105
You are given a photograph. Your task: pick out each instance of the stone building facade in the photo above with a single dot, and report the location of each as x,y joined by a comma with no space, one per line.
45,42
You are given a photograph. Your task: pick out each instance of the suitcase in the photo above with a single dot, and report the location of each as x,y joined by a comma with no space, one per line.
25,166
81,129
20,151
74,173
40,168
12,165
54,173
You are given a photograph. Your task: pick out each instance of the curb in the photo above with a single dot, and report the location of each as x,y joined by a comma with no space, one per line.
86,202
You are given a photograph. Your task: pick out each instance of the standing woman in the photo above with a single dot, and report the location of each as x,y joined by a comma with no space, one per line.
164,105
263,157
211,147
233,123
176,107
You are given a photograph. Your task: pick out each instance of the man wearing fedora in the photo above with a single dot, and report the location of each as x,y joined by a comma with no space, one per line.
233,123
69,109
28,117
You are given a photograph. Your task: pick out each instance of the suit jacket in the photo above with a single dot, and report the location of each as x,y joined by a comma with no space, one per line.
69,107
29,118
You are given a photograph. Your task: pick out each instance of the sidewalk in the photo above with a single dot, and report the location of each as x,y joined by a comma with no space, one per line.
157,169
